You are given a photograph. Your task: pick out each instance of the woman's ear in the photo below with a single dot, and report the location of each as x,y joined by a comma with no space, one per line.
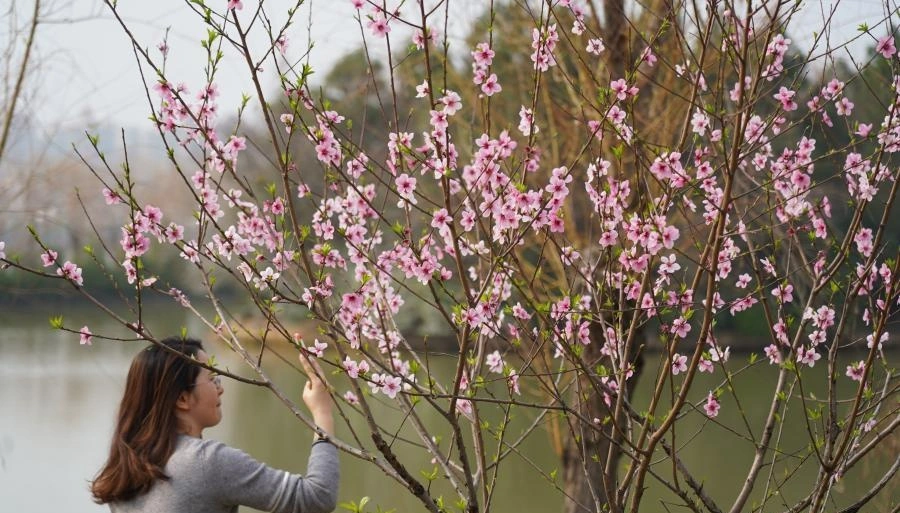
183,402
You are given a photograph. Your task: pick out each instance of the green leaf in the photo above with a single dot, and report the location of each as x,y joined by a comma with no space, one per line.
349,506
56,322
430,476
868,394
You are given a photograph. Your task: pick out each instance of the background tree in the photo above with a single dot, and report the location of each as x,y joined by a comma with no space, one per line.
649,193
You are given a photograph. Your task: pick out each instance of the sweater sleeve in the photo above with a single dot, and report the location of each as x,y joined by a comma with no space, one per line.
238,479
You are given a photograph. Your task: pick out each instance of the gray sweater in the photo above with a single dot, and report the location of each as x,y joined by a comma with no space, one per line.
209,477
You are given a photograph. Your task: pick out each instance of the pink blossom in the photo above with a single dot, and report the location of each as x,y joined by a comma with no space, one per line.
282,44
824,317
855,371
844,107
452,102
784,293
349,396
520,313
870,340
622,90
391,386
712,405
773,354
526,122
491,86
699,123
422,89
742,304
494,362
544,42
680,327
236,5
679,364
174,233
864,241
464,406
832,89
863,129
351,367
71,272
595,46
48,258
742,281
180,297
768,266
716,354
669,265
233,147
378,25
288,121
358,4
648,56
809,356
352,302
419,39
111,197
786,97
885,46
512,381
483,54
277,207
406,186
86,336
318,348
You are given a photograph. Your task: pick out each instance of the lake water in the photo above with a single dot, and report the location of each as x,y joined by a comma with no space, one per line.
58,400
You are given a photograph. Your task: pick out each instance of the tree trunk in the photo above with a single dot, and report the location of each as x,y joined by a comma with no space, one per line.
588,454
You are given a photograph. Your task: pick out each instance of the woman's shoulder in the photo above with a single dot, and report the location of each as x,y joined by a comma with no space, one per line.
190,449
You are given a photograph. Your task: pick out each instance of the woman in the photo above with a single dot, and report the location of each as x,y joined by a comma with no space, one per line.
159,461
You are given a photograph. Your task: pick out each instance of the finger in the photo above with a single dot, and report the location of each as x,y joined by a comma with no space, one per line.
317,367
304,362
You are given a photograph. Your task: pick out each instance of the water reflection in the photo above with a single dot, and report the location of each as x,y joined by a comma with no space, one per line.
58,401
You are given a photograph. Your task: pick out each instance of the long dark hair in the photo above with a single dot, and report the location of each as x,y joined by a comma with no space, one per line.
146,427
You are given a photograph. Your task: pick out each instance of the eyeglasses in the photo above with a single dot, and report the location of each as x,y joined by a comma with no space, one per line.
214,379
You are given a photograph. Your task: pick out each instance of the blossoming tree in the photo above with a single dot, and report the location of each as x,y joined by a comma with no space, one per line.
619,181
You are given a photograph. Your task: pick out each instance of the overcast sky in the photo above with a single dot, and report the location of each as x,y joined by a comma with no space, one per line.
88,74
